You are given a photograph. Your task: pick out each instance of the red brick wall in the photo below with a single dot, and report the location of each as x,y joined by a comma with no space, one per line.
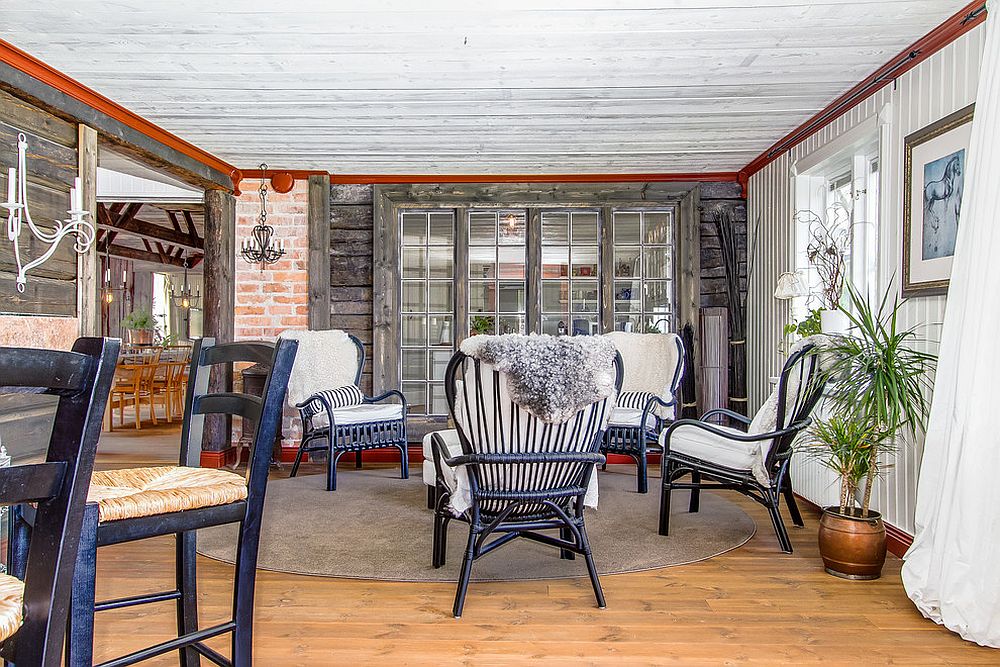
275,299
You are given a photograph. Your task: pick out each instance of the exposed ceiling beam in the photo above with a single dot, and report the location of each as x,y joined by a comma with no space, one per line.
126,252
145,230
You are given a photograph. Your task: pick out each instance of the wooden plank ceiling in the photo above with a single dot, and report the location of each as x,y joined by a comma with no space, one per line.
524,86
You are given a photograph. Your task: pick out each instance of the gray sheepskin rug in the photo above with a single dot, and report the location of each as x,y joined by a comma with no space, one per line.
552,377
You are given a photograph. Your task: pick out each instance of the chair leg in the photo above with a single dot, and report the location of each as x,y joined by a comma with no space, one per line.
695,493
778,523
331,469
566,534
431,497
80,621
298,460
243,593
440,539
665,491
404,462
642,473
187,584
591,568
138,418
793,508
463,579
357,460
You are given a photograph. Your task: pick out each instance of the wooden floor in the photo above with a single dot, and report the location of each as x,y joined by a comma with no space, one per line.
752,605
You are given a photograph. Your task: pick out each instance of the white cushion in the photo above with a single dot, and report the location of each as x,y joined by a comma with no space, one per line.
454,447
631,417
649,364
361,414
707,446
325,360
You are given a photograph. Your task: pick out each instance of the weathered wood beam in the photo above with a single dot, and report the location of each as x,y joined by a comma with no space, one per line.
318,262
220,301
146,230
127,252
173,220
192,230
88,272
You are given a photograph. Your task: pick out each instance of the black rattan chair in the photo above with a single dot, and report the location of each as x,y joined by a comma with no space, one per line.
182,500
643,411
525,476
343,427
726,457
33,615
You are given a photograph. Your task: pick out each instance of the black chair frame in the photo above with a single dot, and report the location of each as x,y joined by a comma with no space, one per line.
266,411
637,442
675,465
556,504
340,439
82,379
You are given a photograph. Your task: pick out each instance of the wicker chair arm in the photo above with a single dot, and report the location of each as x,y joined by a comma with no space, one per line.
743,419
791,429
388,394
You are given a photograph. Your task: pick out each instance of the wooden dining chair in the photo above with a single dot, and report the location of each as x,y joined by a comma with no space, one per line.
35,597
133,382
139,503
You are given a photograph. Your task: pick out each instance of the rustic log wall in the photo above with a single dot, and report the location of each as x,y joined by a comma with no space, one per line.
713,275
351,266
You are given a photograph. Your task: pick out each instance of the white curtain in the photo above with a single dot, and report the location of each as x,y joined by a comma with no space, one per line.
952,571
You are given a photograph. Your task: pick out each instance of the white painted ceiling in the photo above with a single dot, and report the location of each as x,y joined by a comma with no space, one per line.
445,86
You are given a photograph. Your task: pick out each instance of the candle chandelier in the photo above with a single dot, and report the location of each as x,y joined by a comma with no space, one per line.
107,288
186,297
18,215
262,248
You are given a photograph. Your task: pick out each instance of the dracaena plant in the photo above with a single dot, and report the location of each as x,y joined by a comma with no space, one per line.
881,386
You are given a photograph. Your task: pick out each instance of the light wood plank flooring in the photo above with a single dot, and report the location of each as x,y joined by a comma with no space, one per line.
752,605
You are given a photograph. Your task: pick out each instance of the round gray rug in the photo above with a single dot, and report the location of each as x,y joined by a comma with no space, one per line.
377,526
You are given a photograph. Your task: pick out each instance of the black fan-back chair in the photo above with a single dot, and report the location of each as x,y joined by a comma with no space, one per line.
801,374
638,437
266,411
525,476
356,436
82,380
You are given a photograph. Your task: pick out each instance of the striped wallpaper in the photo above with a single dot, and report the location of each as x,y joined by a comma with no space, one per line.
943,83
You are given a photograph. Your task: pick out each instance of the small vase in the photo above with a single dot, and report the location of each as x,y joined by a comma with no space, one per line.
852,546
834,321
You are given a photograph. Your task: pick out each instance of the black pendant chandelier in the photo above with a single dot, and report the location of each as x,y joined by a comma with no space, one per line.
108,290
261,247
186,297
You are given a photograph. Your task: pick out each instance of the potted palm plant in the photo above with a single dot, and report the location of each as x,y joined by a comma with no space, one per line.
139,325
880,386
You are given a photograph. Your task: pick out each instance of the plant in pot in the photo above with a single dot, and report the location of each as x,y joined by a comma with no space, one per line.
139,325
879,390
829,241
481,324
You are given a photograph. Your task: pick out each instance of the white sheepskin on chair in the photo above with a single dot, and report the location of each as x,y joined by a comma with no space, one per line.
649,362
325,360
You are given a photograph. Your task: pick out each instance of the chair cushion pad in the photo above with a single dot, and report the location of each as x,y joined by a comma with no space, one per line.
454,446
11,605
136,492
360,414
631,417
706,446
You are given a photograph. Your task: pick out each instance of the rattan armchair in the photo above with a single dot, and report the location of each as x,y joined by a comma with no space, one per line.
753,461
653,367
525,477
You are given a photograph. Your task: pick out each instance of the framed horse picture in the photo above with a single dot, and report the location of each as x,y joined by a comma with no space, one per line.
933,184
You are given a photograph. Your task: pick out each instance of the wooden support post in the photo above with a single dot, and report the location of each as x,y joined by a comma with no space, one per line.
318,265
88,271
688,280
220,299
533,271
607,269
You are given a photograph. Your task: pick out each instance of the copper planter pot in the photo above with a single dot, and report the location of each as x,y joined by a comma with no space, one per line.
852,547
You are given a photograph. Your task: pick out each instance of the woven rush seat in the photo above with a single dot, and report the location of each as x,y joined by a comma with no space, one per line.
11,605
136,492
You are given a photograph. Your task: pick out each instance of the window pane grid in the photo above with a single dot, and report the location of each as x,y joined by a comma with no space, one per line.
426,307
643,285
570,287
497,290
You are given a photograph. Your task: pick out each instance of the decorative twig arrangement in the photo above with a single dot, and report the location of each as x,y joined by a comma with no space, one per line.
737,299
827,250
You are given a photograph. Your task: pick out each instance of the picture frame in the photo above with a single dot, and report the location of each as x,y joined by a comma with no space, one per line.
934,163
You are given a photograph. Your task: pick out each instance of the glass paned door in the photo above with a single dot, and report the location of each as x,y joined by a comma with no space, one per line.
570,289
643,271
427,272
497,290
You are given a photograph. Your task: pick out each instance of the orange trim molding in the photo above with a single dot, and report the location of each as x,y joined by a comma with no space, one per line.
356,179
962,22
48,75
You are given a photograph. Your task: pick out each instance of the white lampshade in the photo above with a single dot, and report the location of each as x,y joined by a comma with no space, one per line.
790,285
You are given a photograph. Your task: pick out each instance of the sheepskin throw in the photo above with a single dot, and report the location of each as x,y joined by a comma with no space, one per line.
325,360
551,377
650,362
